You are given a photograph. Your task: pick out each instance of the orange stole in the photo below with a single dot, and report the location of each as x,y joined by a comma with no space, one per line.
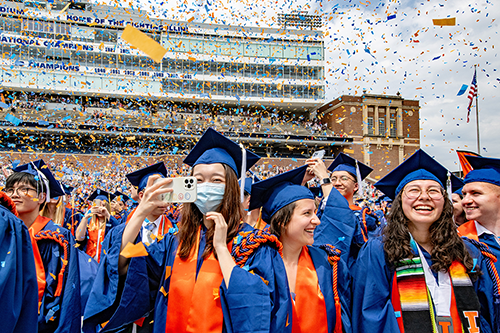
94,244
36,227
194,303
309,309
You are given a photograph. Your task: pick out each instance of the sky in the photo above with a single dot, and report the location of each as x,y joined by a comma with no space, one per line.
388,47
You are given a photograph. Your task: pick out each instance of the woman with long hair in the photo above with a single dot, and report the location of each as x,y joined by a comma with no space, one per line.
55,210
96,224
417,276
318,280
190,279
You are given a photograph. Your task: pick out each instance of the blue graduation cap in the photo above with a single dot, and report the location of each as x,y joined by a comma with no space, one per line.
123,197
42,172
67,189
101,195
139,178
214,147
459,192
486,170
344,162
276,192
248,185
418,166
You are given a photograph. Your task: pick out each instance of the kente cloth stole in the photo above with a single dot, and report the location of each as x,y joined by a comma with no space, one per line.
413,305
194,302
34,229
309,309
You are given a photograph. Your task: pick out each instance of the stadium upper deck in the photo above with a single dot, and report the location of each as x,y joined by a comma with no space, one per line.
80,52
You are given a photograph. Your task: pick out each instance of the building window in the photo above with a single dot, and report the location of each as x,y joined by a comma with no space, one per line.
381,126
370,125
393,130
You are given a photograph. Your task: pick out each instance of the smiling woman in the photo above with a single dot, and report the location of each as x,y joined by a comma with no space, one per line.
410,268
318,280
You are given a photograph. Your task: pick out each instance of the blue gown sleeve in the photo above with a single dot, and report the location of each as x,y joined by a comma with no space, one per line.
121,300
484,287
60,314
372,310
258,298
18,284
338,225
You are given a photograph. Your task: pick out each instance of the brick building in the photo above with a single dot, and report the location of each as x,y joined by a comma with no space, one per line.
385,129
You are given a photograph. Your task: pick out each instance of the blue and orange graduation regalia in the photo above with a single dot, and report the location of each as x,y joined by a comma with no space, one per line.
58,276
72,218
18,282
488,284
386,299
190,294
339,227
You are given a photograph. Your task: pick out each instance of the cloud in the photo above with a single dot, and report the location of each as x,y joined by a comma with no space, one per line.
407,53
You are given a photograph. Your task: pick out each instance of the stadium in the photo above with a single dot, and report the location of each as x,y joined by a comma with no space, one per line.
74,86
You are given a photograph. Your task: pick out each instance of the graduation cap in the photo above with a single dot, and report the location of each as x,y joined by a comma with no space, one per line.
122,196
139,178
67,189
418,166
101,195
485,169
214,147
42,173
344,162
248,185
276,192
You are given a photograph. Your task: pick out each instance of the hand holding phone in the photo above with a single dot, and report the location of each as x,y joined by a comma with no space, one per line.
319,154
184,190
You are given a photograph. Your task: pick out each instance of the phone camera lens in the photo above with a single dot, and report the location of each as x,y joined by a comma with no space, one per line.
188,185
191,181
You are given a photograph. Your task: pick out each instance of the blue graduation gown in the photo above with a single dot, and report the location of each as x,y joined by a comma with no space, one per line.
490,307
113,222
18,284
248,304
72,219
60,314
339,227
372,309
324,271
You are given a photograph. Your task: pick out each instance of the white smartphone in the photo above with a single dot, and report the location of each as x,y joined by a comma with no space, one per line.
184,190
319,154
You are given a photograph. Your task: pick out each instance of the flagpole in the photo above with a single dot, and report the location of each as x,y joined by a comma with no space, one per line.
477,114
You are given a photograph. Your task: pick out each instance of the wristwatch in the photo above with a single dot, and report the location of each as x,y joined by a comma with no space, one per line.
325,181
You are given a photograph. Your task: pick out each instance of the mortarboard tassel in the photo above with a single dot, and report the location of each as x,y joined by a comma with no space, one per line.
243,172
360,180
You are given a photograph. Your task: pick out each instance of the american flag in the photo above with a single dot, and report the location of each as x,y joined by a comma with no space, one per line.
472,93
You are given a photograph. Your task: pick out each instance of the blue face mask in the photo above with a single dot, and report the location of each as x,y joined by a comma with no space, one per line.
209,196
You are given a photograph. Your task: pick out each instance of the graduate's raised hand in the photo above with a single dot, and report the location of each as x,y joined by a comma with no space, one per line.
220,233
226,262
151,199
317,167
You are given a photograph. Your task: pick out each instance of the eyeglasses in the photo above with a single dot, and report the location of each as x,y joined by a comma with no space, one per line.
342,179
415,192
23,190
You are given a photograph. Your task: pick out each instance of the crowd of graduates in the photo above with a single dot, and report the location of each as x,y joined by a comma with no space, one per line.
251,255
